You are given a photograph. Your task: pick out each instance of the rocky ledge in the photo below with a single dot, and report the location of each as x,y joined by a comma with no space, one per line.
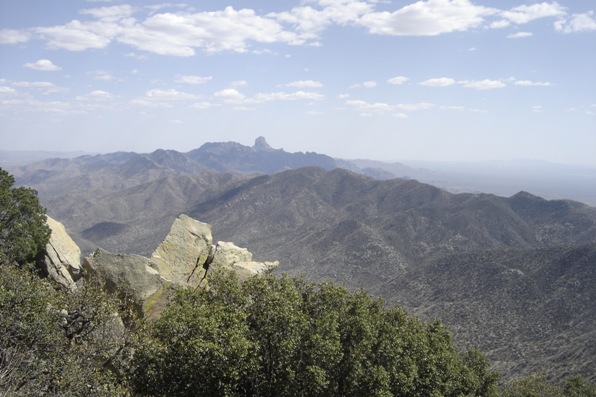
184,259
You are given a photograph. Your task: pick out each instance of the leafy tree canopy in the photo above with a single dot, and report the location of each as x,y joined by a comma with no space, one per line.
23,228
279,336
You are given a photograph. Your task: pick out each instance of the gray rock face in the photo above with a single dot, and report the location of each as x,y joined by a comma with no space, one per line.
180,257
62,257
132,274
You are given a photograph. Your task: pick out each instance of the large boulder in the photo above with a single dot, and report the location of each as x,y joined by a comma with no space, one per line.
180,257
229,256
131,275
61,260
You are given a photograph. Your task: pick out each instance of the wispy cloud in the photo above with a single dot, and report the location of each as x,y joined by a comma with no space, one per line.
527,13
11,36
194,80
103,75
365,84
486,84
43,86
44,65
398,80
305,84
97,95
577,23
528,83
520,35
365,108
438,82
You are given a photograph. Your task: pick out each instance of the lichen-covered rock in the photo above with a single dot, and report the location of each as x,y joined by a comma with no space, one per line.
62,257
132,275
180,257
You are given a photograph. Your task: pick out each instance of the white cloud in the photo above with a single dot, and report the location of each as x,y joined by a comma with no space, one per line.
483,84
184,31
76,36
103,75
305,84
527,13
500,24
398,80
366,84
381,108
528,83
97,95
520,35
427,18
453,107
310,21
285,96
43,65
39,105
181,33
438,82
239,83
415,106
113,13
577,23
44,86
4,90
476,84
11,36
190,79
169,95
202,105
230,95
537,108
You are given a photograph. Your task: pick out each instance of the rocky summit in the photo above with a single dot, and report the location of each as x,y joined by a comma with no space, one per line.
183,259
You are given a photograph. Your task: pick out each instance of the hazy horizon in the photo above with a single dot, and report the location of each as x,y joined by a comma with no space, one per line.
435,80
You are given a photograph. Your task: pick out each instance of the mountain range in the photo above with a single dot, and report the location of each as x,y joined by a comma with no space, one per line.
514,276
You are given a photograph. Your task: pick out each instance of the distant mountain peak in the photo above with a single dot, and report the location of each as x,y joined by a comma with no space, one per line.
262,145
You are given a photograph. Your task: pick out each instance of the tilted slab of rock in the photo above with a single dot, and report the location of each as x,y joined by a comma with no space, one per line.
180,257
62,257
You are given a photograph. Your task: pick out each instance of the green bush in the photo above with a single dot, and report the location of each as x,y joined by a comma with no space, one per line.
278,336
54,343
23,228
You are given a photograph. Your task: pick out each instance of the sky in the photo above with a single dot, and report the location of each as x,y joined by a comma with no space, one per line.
436,80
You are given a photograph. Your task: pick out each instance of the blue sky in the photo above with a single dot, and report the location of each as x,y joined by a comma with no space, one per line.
384,80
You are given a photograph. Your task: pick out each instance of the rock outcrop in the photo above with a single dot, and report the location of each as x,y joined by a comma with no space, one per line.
131,275
229,256
61,260
180,257
184,259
